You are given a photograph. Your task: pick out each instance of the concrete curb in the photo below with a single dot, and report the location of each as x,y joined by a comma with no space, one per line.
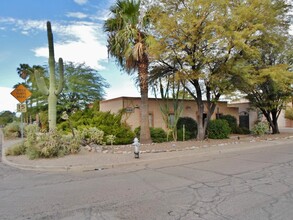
223,148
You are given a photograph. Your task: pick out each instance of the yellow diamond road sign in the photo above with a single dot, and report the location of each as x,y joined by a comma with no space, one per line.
21,93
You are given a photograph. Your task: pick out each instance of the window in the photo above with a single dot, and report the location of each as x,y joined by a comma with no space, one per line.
219,115
151,120
171,120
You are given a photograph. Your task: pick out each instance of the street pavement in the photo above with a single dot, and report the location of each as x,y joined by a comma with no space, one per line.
243,181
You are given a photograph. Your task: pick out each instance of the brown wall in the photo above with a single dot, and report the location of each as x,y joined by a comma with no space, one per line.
132,116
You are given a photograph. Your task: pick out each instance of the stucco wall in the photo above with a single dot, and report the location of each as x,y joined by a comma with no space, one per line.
132,106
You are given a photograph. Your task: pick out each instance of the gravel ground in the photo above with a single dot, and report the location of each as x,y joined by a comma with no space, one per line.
192,144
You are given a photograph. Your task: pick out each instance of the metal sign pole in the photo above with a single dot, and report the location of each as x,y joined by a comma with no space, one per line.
21,125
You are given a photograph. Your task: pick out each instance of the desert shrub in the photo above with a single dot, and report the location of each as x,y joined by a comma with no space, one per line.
31,131
158,135
190,128
107,122
218,129
232,121
72,144
260,128
16,150
92,135
110,139
51,145
33,152
12,130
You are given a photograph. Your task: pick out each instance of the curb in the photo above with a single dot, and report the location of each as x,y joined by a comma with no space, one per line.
221,148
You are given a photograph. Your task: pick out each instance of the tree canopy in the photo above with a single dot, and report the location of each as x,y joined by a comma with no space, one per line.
83,86
207,41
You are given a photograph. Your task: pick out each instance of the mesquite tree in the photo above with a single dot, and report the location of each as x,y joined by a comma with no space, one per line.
53,91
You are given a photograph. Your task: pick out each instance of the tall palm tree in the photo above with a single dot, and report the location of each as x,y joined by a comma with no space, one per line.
127,44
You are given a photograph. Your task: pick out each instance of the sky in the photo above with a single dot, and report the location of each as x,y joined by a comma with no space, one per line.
77,27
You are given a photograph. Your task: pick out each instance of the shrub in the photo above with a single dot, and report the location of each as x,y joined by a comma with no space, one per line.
110,139
16,150
232,121
158,135
12,130
260,128
31,131
187,135
242,130
92,135
33,152
190,128
123,134
218,129
107,122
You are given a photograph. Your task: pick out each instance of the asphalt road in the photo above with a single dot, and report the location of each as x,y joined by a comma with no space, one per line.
250,183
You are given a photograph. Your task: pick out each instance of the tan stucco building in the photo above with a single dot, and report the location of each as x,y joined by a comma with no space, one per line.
132,109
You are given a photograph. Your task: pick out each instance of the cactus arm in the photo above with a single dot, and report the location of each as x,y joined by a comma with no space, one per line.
41,83
61,77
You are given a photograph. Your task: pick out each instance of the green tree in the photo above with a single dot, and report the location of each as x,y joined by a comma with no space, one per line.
127,44
26,72
77,93
267,82
203,40
6,117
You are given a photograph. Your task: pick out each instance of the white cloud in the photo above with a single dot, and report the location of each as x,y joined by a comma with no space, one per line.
79,15
80,2
81,45
7,102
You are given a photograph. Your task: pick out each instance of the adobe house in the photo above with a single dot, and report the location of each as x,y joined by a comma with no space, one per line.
131,105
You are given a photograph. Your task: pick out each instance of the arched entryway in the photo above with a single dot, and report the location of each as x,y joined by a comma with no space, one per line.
244,119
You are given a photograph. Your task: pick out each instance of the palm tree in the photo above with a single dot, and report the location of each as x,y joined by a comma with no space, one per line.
127,44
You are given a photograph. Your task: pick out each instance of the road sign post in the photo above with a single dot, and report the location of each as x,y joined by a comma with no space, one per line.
21,93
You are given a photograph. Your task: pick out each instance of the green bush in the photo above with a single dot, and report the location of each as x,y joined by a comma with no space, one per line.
190,128
260,128
242,130
218,129
107,122
232,121
188,135
158,135
123,134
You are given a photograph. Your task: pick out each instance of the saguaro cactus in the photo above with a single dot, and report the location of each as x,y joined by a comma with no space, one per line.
53,90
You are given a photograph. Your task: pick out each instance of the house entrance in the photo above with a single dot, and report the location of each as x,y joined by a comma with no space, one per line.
244,120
